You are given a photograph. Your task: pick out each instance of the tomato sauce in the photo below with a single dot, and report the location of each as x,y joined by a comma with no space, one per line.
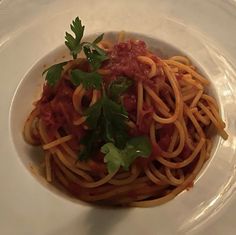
123,60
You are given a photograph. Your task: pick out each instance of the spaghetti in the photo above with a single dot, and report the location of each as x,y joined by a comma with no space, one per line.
167,102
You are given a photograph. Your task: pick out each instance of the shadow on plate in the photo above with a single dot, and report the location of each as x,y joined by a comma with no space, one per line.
96,221
103,221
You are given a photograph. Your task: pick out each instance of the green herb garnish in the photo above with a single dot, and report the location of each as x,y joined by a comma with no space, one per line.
98,39
107,119
91,144
116,158
94,54
54,73
119,86
88,80
74,43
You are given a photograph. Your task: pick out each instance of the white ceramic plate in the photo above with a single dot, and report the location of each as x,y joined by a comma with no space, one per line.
204,30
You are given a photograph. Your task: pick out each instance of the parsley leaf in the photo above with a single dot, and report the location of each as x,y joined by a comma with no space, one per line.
115,157
89,80
109,109
91,144
115,127
54,73
94,55
119,86
98,39
135,147
93,114
74,43
106,120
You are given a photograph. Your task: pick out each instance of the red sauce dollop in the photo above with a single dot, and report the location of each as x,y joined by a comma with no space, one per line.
123,60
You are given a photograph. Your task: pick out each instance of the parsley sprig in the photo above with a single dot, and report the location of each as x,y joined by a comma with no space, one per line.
95,55
54,73
89,80
74,43
106,120
119,86
115,157
108,131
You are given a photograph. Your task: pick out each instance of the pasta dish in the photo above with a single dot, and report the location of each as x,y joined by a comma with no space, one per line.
121,126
